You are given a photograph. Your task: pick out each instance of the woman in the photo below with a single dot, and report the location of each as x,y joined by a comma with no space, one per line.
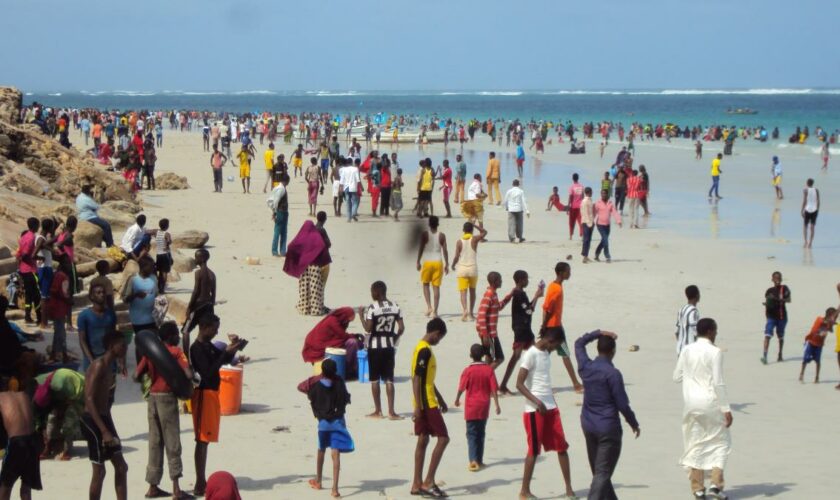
65,247
313,180
385,185
472,207
332,332
308,259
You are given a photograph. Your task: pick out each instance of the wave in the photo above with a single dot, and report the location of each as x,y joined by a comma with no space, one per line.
330,93
55,94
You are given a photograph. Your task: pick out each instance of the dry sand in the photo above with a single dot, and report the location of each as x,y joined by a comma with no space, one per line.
783,436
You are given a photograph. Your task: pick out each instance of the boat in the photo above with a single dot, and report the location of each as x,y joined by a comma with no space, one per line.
741,111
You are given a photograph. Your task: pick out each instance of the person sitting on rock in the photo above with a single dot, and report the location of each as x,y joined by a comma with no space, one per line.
88,210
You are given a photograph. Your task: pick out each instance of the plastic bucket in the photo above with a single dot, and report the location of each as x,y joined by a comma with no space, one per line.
230,390
364,368
340,358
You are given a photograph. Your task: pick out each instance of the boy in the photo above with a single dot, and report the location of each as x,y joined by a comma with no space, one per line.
203,298
245,157
396,194
815,339
102,279
164,422
775,310
97,425
687,319
554,201
428,409
23,446
329,398
163,262
487,321
479,382
58,306
206,359
297,160
543,426
522,310
553,317
338,194
383,321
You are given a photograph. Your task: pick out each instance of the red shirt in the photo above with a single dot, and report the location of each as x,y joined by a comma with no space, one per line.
479,382
159,385
814,338
634,185
385,178
488,314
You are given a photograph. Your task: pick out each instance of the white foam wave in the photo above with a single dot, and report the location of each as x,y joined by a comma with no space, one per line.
55,94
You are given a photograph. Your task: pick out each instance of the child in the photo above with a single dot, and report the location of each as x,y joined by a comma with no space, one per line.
329,399
606,184
164,422
479,382
522,310
297,160
44,261
815,339
64,245
543,427
23,444
554,201
487,321
58,308
163,261
396,194
338,194
102,279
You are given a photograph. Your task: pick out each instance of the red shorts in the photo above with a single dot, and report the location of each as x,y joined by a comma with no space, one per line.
519,162
523,345
546,430
430,423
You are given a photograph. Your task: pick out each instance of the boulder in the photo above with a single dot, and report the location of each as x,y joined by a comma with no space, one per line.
87,235
182,263
177,309
190,239
171,181
89,268
131,268
8,265
123,206
5,252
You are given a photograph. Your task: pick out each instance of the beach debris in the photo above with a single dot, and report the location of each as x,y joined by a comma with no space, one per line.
634,348
252,261
282,428
169,180
569,257
771,257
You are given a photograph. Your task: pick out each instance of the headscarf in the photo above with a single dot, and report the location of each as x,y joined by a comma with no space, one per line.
329,332
221,485
303,250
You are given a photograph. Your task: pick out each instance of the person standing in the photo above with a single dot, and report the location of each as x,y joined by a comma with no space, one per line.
245,156
203,298
520,158
553,317
707,416
776,173
716,171
479,383
620,186
139,294
634,186
217,160
27,268
604,209
604,398
810,209
587,222
776,299
433,263
383,321
824,151
575,199
350,181
429,408
687,319
268,158
460,178
278,203
493,178
465,264
313,183
517,208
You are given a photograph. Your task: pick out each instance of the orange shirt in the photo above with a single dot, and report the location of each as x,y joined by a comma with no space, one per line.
553,304
814,338
97,130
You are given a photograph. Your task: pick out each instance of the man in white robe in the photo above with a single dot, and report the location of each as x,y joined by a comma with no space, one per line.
706,413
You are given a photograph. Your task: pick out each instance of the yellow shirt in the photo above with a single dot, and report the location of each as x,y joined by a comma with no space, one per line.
426,182
715,167
424,365
269,159
243,159
493,168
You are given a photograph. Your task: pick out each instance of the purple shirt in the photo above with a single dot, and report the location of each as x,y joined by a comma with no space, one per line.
603,391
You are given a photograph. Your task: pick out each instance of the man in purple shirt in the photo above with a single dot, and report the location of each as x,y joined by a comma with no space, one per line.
603,398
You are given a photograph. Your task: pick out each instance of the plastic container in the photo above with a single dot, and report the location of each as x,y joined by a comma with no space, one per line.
340,358
230,390
364,368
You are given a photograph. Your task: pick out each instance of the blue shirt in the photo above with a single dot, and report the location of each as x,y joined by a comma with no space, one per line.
95,328
520,152
603,391
141,310
86,207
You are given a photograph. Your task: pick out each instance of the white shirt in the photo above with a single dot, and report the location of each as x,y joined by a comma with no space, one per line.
538,364
131,238
515,200
275,197
349,178
474,190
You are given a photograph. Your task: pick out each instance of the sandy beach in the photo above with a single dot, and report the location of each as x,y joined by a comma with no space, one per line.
782,434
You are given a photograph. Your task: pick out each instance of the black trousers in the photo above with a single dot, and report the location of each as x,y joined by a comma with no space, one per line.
32,295
603,451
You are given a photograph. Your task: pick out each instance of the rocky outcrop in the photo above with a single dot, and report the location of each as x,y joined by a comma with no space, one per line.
87,235
190,239
171,181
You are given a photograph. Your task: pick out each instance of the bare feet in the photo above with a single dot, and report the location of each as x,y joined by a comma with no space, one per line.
315,484
156,492
335,493
376,414
428,312
394,416
526,495
504,391
464,317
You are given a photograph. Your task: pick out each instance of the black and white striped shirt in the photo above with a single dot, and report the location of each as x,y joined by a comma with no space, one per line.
384,317
686,326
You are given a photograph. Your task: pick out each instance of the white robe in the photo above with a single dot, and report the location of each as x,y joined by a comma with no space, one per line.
705,437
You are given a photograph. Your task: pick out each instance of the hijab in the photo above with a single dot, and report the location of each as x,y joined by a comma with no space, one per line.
303,250
329,332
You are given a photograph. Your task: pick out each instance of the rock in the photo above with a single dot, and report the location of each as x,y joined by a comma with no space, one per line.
182,263
10,103
190,239
8,265
124,206
171,181
131,268
177,309
5,252
89,268
87,235
173,277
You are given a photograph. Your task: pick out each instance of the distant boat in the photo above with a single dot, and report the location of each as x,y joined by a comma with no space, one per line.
741,111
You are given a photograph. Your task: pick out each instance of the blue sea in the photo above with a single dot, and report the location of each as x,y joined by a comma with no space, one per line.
783,108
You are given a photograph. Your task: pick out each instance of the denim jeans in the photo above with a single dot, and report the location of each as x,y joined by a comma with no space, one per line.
59,343
587,239
352,203
604,231
281,226
715,186
107,235
475,440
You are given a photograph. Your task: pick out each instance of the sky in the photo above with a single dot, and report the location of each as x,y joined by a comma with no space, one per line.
418,45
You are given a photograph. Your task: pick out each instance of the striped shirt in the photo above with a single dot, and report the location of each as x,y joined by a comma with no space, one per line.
384,316
634,186
686,326
487,320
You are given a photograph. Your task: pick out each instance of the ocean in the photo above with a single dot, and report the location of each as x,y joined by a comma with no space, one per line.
783,108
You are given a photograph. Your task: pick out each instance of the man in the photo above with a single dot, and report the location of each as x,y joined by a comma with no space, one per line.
268,158
22,443
433,263
776,173
428,409
206,360
335,149
94,324
634,189
776,299
383,321
687,319
278,202
587,222
460,177
88,210
97,425
425,187
217,161
465,264
706,413
516,207
27,268
245,155
520,158
604,398
604,210
136,239
810,209
203,298
553,316
716,171
575,199
350,182
494,176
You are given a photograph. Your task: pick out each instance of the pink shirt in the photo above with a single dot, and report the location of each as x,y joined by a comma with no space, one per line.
26,248
576,192
603,210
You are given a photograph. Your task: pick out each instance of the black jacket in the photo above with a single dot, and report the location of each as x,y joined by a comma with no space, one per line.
328,403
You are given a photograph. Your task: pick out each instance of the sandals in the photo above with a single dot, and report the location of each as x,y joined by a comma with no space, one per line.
433,492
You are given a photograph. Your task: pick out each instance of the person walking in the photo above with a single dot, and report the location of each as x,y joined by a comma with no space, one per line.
516,207
575,199
493,178
776,173
707,416
278,203
433,263
810,209
587,222
716,171
604,209
604,398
